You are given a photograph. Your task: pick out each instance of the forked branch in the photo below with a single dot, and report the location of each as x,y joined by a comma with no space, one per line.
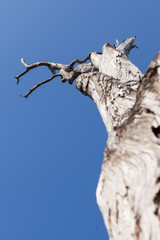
69,72
66,72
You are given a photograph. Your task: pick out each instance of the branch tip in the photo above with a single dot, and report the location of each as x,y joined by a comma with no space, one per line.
25,96
17,80
24,63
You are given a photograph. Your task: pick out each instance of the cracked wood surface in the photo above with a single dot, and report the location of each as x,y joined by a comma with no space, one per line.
128,192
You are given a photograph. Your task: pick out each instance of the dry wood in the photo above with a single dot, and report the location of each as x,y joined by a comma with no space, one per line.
128,191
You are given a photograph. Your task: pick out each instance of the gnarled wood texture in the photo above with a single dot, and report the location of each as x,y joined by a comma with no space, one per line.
128,191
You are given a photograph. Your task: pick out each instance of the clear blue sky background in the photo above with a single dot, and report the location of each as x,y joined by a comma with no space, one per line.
52,144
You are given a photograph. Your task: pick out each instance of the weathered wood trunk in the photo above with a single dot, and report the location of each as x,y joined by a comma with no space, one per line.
128,192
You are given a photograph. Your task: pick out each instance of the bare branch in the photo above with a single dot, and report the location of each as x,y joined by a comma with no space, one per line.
66,72
41,83
50,65
20,75
24,63
71,65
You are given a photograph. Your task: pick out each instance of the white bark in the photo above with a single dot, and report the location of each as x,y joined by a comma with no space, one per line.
128,191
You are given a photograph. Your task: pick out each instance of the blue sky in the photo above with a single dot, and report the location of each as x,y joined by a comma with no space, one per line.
52,143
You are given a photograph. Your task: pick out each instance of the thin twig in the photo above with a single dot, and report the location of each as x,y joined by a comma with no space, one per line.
65,71
51,66
71,65
24,63
20,75
41,83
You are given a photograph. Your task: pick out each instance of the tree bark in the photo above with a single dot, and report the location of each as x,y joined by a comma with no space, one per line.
128,192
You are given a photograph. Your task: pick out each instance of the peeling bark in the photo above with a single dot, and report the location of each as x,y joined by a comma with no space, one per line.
128,192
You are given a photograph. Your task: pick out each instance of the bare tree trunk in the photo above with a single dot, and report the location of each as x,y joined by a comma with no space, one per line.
128,192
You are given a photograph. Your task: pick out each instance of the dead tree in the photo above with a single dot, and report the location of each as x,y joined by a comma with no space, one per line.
128,192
